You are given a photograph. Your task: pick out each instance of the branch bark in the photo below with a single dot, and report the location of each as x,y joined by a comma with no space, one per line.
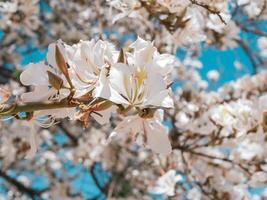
22,188
7,109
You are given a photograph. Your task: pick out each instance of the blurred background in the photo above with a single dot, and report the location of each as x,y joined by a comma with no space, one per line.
27,27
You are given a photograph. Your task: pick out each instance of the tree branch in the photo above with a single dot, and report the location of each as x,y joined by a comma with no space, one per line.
22,188
7,109
250,55
211,10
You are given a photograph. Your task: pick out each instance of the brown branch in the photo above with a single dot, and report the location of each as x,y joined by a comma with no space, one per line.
190,151
250,54
20,187
103,190
211,10
73,139
7,109
251,30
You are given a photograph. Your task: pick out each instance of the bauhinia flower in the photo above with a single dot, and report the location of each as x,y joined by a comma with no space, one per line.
51,80
139,81
48,80
93,78
88,61
149,131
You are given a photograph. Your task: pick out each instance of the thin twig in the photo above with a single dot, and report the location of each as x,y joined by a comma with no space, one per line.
22,188
211,10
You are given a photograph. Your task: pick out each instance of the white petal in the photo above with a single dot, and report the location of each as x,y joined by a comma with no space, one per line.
119,73
35,74
34,143
157,138
40,93
102,88
164,62
105,115
143,51
129,125
51,56
157,96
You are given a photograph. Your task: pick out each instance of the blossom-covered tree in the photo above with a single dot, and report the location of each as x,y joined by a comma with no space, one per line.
112,97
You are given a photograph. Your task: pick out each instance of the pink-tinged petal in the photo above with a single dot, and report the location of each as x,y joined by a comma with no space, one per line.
51,54
104,51
157,138
35,74
83,60
34,142
102,87
162,99
120,82
104,116
157,96
139,43
164,62
40,93
143,51
128,126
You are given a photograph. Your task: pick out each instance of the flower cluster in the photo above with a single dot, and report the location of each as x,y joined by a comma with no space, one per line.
211,144
95,79
185,21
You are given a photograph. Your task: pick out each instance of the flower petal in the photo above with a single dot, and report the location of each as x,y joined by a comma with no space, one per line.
157,138
35,74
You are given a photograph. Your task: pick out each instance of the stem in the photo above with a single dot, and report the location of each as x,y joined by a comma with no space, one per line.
250,54
103,190
7,109
211,10
73,139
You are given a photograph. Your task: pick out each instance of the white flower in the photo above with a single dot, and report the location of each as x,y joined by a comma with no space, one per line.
192,32
150,130
89,61
253,9
145,54
8,7
125,6
262,44
136,87
248,149
238,65
166,183
37,75
134,83
182,120
24,180
213,75
40,76
223,115
216,24
175,6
